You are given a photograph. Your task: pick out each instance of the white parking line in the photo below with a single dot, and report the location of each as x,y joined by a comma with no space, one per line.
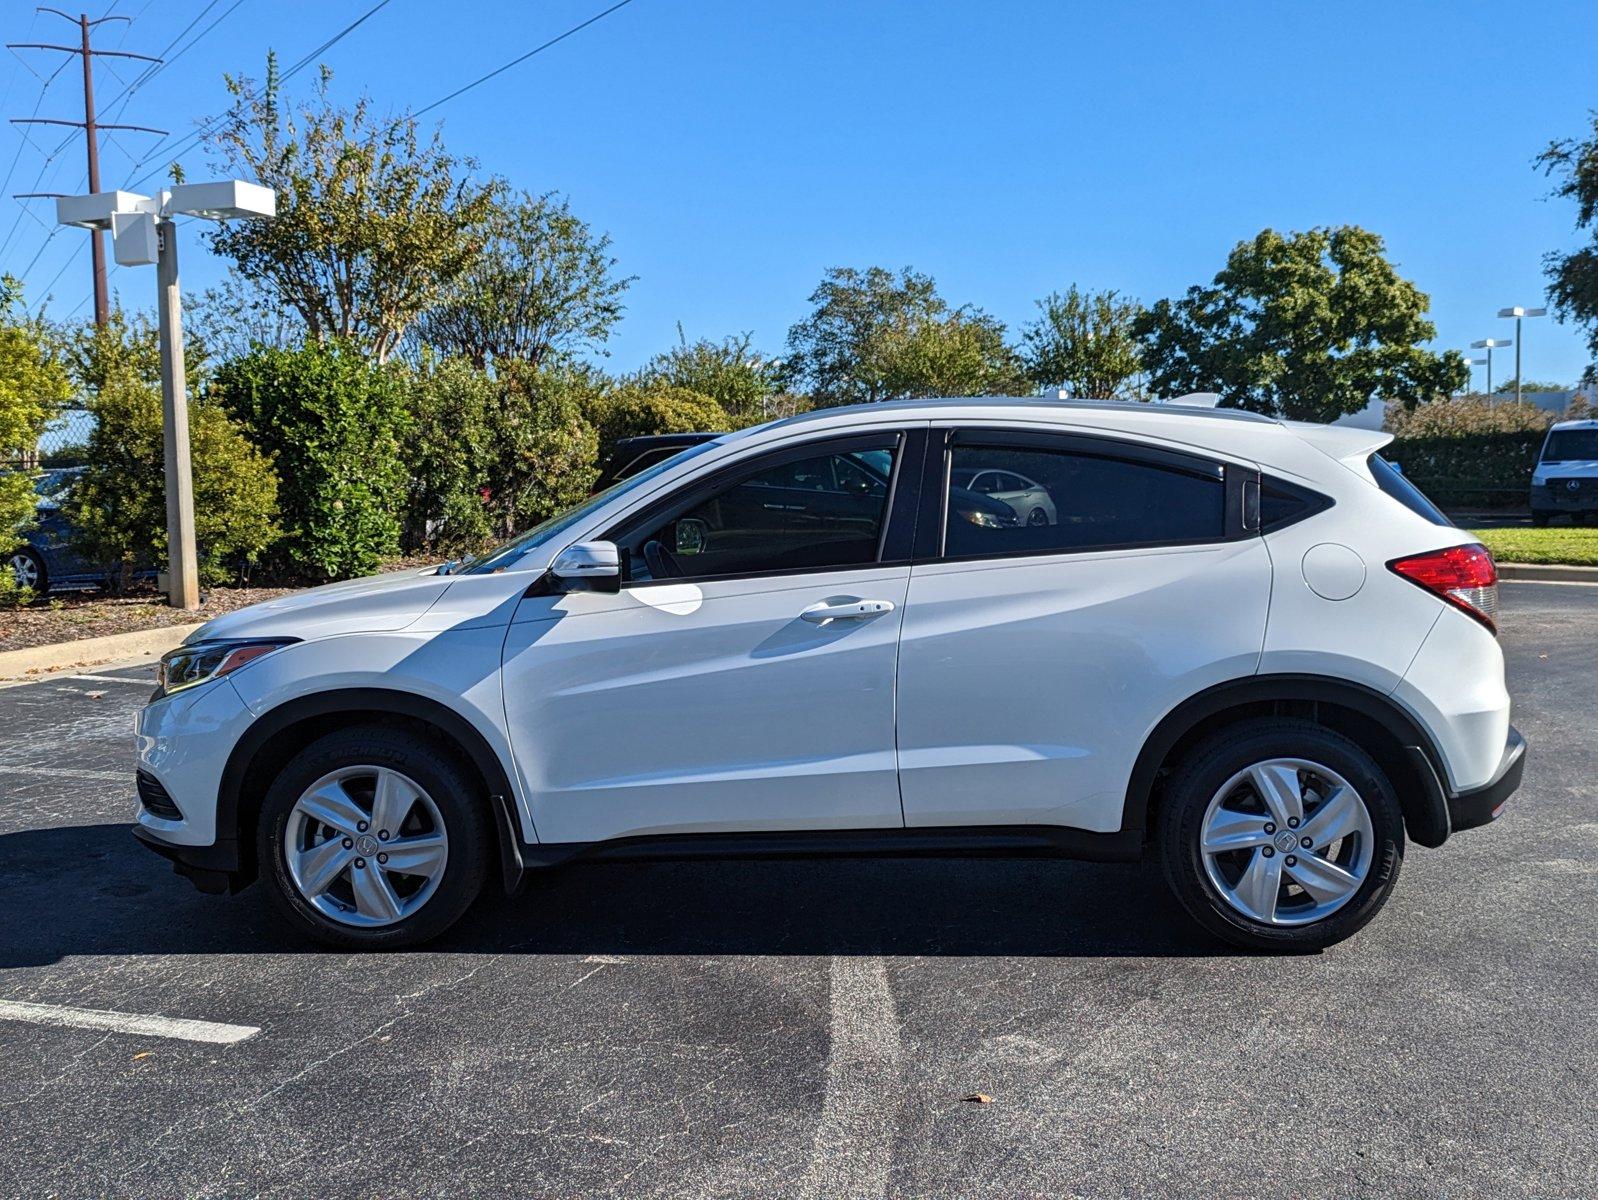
135,1023
144,683
123,777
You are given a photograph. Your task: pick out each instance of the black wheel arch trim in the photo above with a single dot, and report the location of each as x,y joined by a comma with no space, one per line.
377,702
1426,814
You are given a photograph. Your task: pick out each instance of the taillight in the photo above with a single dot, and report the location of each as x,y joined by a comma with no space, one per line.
1464,576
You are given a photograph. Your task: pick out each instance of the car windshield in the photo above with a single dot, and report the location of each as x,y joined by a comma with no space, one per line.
52,487
1571,445
503,556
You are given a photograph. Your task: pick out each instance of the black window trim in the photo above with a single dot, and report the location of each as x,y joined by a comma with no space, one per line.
935,487
1314,502
902,508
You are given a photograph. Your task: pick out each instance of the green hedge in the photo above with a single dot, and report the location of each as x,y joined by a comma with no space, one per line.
1485,470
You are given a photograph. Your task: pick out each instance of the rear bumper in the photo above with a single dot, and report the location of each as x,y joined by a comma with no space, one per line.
1467,810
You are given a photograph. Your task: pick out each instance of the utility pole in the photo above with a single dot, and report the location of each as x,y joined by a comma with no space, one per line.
91,130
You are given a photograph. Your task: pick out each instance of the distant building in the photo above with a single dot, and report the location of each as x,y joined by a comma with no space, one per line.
1374,413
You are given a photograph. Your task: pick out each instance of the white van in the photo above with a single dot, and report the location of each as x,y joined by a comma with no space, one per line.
1565,479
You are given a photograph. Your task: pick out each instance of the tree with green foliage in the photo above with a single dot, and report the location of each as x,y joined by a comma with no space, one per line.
729,372
1084,343
544,285
1310,326
118,505
1530,385
1573,276
873,335
33,387
547,450
449,453
640,409
335,423
374,224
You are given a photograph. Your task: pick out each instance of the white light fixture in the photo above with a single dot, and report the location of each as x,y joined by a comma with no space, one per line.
1489,345
1517,312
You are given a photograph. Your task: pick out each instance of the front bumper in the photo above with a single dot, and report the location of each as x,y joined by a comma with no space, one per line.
1467,810
1557,496
213,869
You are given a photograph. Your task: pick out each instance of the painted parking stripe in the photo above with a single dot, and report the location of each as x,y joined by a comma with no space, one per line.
73,773
144,683
137,1024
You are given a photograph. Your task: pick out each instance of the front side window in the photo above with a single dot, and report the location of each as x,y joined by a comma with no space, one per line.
1034,500
801,512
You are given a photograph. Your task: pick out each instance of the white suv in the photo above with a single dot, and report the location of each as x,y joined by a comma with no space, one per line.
1247,646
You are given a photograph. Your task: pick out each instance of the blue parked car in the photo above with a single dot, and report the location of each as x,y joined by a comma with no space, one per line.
46,560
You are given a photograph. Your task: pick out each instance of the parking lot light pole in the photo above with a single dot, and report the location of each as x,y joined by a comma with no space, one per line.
143,232
1469,363
1518,313
1490,344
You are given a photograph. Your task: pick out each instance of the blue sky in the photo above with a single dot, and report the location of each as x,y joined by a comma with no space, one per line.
736,150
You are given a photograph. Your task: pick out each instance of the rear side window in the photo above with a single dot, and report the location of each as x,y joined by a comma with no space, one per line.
1391,480
1058,501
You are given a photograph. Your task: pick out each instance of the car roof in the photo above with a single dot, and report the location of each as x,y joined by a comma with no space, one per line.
1583,424
935,408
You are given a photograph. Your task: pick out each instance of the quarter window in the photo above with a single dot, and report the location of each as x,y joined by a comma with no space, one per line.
1057,501
800,513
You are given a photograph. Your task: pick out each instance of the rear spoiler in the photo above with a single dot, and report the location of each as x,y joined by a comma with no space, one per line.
1348,445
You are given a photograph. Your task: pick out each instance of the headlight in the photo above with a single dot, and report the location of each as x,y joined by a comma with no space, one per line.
989,520
189,666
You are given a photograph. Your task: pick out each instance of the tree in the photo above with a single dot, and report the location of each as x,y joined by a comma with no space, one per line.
1573,277
874,335
544,285
961,353
728,372
373,224
449,453
1308,325
1083,343
33,387
1530,385
334,422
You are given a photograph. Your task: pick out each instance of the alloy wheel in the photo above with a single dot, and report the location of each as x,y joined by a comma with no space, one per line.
1287,842
365,846
25,570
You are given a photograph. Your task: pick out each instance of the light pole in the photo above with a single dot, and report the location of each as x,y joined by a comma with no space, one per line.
1489,345
1469,363
1517,312
142,232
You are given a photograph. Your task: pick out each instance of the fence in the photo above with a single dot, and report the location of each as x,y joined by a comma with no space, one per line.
63,441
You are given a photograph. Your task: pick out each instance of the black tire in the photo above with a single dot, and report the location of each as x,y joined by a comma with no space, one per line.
1539,519
448,782
41,586
1206,769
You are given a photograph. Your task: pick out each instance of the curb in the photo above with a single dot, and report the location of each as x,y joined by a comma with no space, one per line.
1544,573
89,652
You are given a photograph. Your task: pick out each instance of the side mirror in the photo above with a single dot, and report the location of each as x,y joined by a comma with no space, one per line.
692,534
588,567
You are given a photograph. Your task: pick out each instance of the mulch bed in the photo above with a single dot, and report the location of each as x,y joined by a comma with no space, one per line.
74,615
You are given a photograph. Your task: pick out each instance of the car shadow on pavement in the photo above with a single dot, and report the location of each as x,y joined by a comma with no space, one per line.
85,890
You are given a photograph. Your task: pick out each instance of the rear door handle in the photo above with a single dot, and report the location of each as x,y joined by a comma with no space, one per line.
846,610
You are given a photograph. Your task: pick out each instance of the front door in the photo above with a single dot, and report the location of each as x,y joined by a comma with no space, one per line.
743,677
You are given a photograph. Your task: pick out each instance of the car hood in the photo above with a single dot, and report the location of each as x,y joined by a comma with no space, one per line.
1566,468
375,604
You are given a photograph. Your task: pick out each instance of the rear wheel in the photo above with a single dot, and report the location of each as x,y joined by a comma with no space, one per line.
1281,835
373,838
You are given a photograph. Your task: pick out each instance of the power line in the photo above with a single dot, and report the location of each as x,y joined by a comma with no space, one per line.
523,58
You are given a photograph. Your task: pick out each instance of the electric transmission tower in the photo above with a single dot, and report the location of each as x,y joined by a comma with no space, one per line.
91,132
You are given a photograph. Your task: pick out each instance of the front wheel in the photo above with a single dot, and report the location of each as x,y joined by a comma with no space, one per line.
1539,519
373,838
1281,835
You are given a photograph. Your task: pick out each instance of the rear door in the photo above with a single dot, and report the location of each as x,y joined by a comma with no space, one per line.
1035,659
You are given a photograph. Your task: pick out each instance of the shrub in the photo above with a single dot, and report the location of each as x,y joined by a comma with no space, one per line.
546,449
1491,470
334,423
449,451
118,505
1465,415
33,383
636,410
12,593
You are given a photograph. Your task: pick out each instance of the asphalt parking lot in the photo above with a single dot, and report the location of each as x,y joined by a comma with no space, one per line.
807,1028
